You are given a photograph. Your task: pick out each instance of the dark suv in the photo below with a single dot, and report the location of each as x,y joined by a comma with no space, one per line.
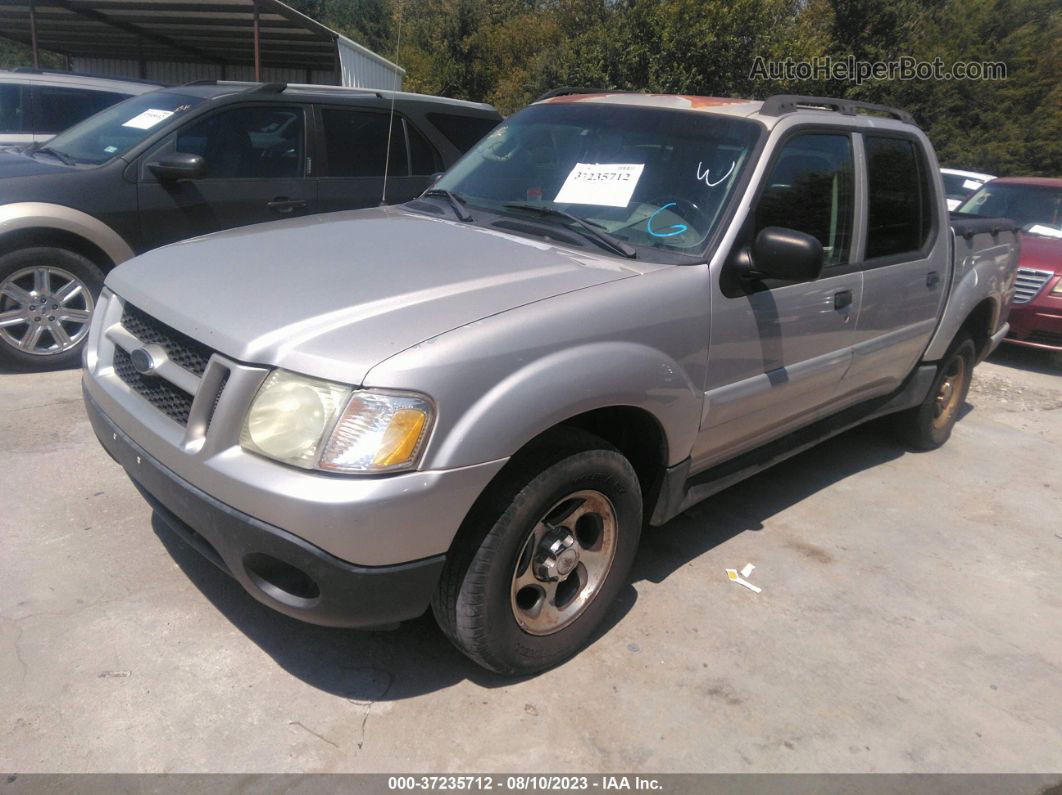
193,159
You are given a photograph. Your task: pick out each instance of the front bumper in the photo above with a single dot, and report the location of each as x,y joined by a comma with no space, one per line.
1038,324
274,566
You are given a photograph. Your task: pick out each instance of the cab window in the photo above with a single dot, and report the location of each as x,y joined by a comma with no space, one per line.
255,142
810,189
899,213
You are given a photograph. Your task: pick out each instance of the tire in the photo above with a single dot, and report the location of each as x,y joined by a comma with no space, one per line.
486,599
49,334
928,426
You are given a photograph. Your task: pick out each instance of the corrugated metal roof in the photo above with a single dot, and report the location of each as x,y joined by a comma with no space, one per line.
217,31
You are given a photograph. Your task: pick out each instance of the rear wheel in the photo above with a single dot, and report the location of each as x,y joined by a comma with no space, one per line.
543,556
928,426
46,300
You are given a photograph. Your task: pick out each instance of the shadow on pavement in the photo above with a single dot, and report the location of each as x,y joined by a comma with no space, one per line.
1035,360
416,658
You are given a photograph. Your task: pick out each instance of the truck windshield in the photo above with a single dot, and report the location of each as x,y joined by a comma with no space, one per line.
651,177
118,129
1037,209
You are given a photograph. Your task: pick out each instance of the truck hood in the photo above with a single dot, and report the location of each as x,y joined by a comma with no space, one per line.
15,164
333,295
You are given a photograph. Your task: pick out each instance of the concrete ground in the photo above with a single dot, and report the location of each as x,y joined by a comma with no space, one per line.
909,621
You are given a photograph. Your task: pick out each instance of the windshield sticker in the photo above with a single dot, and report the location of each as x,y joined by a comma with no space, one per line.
972,184
607,184
110,149
148,119
704,176
671,231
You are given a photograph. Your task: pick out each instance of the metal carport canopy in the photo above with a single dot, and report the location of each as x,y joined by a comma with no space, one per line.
222,32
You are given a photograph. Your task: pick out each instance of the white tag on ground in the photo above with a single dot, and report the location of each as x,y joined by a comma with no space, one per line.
606,184
148,119
745,572
735,577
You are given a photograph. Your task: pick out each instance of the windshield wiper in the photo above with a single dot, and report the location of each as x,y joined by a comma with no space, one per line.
62,157
455,201
602,238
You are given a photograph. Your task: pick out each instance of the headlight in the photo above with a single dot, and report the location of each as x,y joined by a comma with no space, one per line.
315,424
1057,289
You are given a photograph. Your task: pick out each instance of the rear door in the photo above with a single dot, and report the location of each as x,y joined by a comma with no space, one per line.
905,264
355,143
256,170
778,351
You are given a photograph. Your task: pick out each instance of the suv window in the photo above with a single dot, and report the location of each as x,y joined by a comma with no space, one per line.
810,189
898,213
254,142
463,132
60,108
423,159
10,108
356,143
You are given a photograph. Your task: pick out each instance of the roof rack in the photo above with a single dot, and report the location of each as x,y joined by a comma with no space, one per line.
280,88
569,90
780,104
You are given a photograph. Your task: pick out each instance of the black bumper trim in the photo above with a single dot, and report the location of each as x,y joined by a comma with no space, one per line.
347,595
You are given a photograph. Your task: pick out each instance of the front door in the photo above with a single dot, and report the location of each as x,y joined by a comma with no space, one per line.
255,171
777,351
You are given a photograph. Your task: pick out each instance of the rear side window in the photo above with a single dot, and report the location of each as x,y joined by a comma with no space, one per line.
464,132
899,214
423,159
11,113
60,108
810,189
356,143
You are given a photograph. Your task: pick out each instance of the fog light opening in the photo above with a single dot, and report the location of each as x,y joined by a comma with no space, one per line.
279,579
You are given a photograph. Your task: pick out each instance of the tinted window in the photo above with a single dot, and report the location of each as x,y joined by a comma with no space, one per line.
423,158
356,142
10,109
118,129
1033,207
249,142
463,132
61,108
898,212
810,189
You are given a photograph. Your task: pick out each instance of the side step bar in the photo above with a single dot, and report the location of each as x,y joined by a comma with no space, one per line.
679,492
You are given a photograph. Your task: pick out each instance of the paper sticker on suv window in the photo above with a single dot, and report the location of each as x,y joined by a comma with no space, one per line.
972,184
608,184
148,119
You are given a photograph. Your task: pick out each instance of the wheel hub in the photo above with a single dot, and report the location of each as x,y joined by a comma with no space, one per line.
557,556
44,310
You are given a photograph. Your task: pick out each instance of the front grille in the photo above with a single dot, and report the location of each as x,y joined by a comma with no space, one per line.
181,349
1030,282
172,401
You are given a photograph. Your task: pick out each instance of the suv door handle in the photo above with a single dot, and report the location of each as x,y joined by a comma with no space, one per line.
932,279
841,299
285,205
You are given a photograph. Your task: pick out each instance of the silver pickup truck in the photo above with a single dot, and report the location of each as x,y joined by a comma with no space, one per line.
613,307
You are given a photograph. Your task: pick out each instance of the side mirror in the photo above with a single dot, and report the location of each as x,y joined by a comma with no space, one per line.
178,165
784,254
435,178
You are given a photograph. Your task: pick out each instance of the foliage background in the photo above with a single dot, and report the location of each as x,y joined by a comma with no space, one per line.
507,52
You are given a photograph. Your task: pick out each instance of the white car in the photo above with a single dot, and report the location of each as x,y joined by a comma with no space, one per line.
961,185
35,104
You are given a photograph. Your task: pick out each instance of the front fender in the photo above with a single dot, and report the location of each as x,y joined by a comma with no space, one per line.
43,215
563,384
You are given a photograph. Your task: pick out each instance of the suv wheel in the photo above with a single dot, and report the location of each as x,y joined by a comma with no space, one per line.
928,426
46,300
543,556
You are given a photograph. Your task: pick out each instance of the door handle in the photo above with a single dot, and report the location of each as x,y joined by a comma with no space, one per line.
932,279
841,299
283,205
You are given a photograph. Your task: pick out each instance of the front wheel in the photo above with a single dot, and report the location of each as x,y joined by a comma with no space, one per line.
928,426
46,300
542,559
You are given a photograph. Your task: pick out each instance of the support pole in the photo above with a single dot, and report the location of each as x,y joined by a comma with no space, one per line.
257,46
33,34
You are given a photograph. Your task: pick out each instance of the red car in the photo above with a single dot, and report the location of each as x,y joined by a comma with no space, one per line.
1035,203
